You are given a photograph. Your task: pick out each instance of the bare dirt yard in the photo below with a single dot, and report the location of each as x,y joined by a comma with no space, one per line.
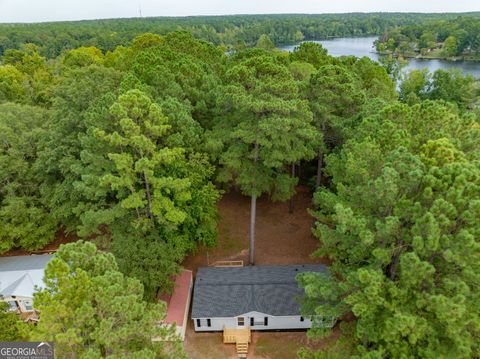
282,238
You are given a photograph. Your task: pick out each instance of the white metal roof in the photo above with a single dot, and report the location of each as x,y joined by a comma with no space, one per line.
21,274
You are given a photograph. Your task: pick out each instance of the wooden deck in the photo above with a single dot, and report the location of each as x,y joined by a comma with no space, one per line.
224,264
241,337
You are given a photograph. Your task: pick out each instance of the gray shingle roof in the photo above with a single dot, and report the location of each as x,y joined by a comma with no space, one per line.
229,292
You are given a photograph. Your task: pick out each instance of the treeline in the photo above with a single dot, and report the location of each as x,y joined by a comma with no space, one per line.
435,38
132,147
230,31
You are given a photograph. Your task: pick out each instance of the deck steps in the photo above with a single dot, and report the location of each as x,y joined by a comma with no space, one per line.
241,337
242,348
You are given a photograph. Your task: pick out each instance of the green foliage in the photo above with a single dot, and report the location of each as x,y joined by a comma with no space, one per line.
11,84
60,148
13,329
311,53
83,56
24,219
301,71
335,98
270,126
428,40
90,309
118,156
27,77
146,41
446,37
451,86
415,86
150,196
265,43
119,143
230,31
399,225
375,79
393,65
341,348
450,46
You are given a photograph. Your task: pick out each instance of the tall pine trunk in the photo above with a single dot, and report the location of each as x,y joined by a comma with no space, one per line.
319,170
253,213
149,196
320,160
292,174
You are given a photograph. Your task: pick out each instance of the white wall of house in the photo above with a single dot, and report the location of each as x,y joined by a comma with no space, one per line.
272,323
215,324
21,304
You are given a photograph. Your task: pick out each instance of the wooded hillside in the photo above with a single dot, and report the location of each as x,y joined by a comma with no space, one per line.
131,145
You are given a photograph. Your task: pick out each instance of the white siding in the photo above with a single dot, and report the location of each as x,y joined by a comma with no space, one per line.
25,304
274,323
217,324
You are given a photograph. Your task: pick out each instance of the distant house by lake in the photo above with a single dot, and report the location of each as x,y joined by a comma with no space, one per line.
257,297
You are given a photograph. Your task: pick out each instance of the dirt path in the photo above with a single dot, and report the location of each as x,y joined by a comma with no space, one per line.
282,238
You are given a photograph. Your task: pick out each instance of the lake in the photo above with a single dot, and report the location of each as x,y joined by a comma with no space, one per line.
363,46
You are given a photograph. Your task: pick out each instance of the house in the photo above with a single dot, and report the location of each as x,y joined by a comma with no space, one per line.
178,303
19,276
254,297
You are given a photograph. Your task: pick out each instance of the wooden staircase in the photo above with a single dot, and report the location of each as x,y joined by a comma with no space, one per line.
242,349
241,337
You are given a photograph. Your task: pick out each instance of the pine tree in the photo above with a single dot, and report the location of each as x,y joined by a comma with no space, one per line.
269,128
91,310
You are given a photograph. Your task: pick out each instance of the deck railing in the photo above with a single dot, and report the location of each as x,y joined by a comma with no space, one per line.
227,264
241,337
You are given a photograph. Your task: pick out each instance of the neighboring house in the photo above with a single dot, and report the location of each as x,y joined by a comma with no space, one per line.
178,303
19,276
255,297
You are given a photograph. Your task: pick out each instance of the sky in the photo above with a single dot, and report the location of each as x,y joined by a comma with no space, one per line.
58,10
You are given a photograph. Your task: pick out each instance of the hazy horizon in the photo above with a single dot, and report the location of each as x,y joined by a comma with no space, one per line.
27,11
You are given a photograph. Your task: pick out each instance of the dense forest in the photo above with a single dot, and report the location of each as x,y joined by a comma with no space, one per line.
130,145
229,31
439,38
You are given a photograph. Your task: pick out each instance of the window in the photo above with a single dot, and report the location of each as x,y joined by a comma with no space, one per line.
302,319
265,321
252,321
241,321
198,323
28,305
13,304
209,323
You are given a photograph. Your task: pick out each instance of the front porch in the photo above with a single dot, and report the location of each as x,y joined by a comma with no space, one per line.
241,337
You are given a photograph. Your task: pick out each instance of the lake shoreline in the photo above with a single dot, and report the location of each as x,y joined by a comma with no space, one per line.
363,47
424,57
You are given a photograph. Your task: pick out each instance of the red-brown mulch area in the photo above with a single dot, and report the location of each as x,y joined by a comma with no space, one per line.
281,238
60,238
